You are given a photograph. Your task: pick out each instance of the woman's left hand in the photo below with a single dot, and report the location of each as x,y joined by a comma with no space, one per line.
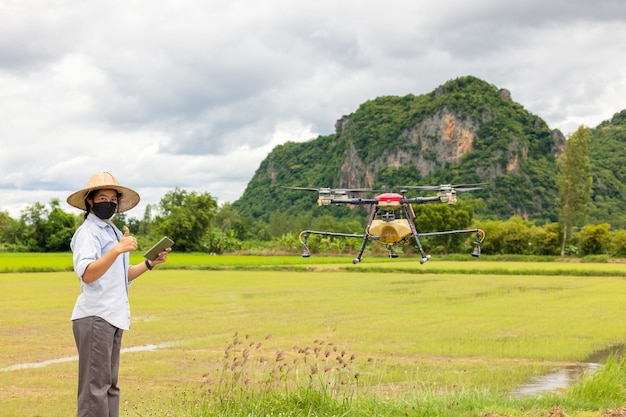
162,256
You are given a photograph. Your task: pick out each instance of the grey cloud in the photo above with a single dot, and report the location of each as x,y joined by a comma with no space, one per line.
33,35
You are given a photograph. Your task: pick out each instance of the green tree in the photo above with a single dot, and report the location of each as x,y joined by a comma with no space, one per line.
186,218
122,220
59,228
574,182
229,221
44,229
10,233
33,218
146,221
440,217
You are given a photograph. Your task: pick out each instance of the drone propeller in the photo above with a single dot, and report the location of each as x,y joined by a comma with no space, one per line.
334,190
456,187
467,189
354,190
302,188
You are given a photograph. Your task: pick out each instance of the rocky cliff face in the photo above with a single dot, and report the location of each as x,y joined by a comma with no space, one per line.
354,173
440,139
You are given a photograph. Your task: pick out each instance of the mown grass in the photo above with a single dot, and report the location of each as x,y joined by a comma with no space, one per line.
330,338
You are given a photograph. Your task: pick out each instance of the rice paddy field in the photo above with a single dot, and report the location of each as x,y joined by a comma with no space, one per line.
283,335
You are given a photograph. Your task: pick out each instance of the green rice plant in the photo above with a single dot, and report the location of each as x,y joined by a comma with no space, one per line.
35,262
606,387
57,262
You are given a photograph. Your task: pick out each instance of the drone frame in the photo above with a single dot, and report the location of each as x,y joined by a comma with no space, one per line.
381,206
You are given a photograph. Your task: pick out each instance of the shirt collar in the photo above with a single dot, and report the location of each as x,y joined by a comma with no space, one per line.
99,222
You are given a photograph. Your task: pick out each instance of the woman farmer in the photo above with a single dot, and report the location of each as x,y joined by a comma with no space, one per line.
101,255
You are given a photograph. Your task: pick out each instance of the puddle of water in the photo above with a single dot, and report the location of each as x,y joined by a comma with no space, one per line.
560,379
602,355
563,378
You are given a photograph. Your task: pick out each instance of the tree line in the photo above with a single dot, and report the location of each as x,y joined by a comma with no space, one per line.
197,224
192,219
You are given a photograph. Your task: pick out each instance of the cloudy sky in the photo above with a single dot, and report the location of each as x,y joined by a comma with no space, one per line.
195,93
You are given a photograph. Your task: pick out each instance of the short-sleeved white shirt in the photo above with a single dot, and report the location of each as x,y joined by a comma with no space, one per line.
106,297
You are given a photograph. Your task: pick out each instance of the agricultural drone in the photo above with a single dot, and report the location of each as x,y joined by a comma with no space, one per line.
391,217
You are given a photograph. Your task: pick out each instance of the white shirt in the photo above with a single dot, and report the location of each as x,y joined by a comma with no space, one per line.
106,297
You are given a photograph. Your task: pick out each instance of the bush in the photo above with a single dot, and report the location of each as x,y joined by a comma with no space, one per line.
618,243
594,239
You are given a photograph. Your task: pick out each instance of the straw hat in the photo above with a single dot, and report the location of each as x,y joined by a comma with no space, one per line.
100,181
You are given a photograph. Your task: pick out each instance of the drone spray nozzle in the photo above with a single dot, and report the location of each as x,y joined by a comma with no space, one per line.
480,235
476,251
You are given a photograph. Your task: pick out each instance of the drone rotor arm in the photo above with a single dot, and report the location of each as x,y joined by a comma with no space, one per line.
420,200
325,201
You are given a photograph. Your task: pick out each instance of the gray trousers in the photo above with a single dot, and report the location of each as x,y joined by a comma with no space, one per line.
98,344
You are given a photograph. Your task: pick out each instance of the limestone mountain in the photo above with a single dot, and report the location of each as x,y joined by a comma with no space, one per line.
464,131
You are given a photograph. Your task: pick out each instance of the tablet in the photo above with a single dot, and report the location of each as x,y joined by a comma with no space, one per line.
153,252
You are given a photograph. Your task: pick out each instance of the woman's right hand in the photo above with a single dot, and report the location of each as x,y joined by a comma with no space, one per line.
127,243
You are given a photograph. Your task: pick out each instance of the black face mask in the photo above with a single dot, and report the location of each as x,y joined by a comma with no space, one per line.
104,210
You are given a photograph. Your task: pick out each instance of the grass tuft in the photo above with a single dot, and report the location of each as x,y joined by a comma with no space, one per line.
255,380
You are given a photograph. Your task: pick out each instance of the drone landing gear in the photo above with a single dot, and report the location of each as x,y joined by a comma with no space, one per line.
304,237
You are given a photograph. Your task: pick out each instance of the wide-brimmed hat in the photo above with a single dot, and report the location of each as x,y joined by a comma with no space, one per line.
103,180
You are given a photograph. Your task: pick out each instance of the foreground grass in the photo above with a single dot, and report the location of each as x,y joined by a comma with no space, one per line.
323,340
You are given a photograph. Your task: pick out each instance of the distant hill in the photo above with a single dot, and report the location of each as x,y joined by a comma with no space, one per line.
608,153
465,131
